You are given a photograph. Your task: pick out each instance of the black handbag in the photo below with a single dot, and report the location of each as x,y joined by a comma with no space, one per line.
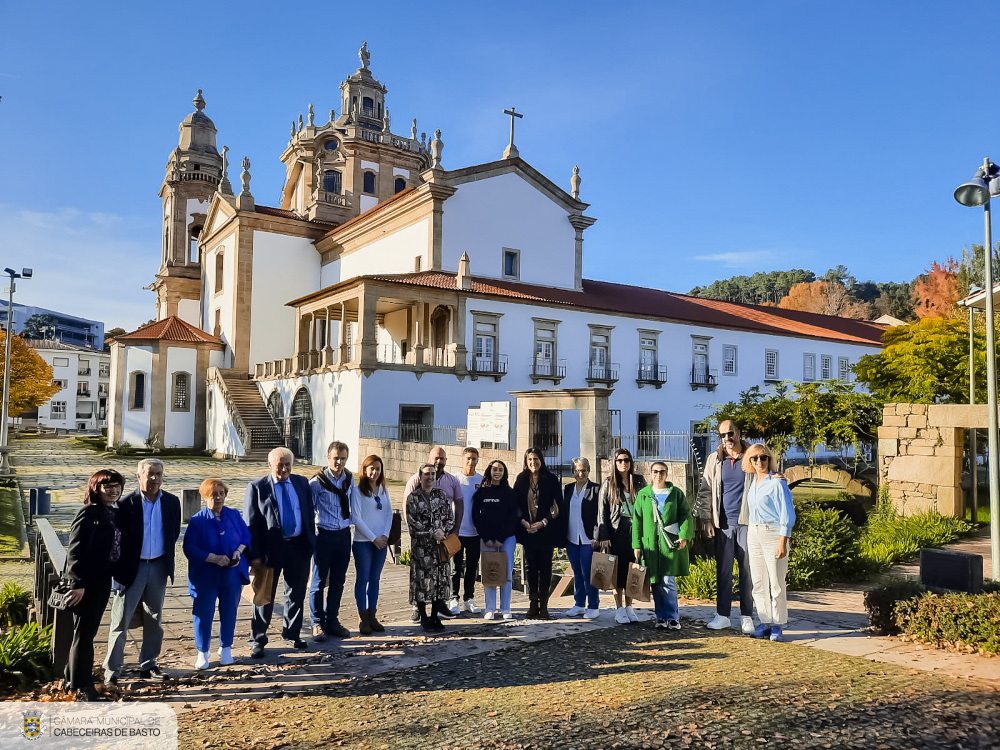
59,596
396,529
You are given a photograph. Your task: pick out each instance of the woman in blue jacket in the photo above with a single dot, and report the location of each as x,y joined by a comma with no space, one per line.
215,545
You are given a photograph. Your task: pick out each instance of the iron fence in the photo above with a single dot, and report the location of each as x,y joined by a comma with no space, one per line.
411,433
656,446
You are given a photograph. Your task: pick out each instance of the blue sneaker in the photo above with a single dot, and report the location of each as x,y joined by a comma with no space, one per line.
763,630
776,632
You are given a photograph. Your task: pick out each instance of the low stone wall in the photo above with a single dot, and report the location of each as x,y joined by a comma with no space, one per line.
400,460
920,458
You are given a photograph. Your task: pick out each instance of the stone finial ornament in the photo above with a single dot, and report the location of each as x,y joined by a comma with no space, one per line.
312,115
385,121
413,130
224,185
245,200
464,276
575,182
423,141
293,128
300,123
364,56
199,101
333,115
437,146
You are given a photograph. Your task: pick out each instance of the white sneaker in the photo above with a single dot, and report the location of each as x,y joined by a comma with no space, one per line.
489,615
575,611
632,616
453,605
508,616
225,656
591,614
621,616
202,661
471,608
719,623
747,625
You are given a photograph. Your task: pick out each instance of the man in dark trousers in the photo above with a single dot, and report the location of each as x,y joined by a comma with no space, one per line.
331,496
150,522
279,511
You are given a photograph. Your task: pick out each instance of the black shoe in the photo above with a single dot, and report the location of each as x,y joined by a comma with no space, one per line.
441,610
427,624
295,643
337,630
415,615
256,651
436,625
87,695
673,625
153,673
377,627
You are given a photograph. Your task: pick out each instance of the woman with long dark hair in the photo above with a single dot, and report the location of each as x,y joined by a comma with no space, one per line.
617,506
538,497
94,546
494,514
371,515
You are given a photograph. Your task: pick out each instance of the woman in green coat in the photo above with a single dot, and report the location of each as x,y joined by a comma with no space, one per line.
661,530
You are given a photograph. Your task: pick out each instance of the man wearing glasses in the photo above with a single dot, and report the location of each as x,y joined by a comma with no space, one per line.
331,497
724,487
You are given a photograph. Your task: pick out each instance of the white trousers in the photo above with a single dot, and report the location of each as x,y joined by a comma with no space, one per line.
768,573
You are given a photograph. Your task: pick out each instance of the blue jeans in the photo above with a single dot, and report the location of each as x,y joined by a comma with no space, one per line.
580,557
665,599
368,562
203,611
491,594
330,561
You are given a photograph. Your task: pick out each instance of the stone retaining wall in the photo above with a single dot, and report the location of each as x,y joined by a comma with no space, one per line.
400,460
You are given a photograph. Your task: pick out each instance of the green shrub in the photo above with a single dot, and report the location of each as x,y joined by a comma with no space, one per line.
121,449
958,619
404,558
700,582
881,602
824,548
14,603
24,654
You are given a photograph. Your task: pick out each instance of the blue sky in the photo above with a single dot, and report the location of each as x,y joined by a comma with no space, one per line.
713,138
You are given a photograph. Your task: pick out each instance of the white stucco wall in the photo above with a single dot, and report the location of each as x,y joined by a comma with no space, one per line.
220,435
284,268
393,253
367,202
189,310
329,274
223,300
487,215
178,427
135,422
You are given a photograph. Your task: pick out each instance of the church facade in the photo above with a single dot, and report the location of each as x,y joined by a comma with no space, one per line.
387,295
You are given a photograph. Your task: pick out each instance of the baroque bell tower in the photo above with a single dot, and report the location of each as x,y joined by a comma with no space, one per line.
193,174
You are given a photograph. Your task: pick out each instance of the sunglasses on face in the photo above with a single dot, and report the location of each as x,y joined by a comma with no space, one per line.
759,459
623,460
731,433
659,471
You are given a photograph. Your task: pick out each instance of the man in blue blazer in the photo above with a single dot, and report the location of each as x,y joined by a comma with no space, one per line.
150,522
279,512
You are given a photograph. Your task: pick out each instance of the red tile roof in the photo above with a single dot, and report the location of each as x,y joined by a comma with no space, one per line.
169,329
655,303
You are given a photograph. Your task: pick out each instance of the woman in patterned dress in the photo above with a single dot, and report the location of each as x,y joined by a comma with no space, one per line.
429,518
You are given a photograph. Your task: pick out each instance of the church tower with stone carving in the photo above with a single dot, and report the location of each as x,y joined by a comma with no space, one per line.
193,174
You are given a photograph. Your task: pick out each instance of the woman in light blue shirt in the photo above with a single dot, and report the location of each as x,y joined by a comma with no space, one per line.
371,515
769,513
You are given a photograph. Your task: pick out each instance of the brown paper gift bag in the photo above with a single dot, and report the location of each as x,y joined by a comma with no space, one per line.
637,583
603,571
494,567
261,583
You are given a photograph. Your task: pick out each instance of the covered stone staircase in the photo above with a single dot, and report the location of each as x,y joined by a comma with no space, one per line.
250,416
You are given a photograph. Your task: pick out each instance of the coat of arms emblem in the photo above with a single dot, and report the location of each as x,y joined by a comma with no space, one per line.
32,728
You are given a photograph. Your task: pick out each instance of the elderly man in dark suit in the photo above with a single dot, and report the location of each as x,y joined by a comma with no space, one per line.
150,522
279,511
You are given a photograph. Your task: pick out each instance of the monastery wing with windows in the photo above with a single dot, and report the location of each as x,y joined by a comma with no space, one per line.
388,295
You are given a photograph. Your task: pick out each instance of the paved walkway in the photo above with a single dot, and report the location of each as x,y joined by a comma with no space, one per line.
830,619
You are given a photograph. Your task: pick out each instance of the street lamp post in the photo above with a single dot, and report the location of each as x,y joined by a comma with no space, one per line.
6,470
978,192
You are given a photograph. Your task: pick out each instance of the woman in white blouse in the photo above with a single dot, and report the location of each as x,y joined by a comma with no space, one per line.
580,501
371,516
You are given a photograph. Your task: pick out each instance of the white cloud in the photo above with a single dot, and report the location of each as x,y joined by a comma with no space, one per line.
742,259
85,263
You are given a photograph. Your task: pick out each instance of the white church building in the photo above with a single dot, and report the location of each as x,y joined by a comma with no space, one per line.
387,295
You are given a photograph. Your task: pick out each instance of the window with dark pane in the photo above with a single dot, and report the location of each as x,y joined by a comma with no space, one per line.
182,382
369,183
368,106
332,181
400,185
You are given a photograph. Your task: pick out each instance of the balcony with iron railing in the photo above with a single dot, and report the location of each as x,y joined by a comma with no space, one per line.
606,373
655,375
703,378
83,371
494,367
83,391
547,369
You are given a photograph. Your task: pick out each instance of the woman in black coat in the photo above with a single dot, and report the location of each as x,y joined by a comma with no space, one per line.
583,536
617,503
94,544
538,498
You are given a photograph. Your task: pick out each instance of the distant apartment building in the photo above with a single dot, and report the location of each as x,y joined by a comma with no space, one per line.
68,329
83,376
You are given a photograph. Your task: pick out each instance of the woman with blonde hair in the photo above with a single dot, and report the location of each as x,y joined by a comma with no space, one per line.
616,505
769,515
215,544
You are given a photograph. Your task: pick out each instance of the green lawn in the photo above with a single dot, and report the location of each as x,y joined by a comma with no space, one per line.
10,527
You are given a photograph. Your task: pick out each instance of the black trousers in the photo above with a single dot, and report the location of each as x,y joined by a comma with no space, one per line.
294,570
731,544
466,566
330,562
87,616
538,567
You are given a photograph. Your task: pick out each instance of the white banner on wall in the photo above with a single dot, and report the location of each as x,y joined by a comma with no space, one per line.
490,423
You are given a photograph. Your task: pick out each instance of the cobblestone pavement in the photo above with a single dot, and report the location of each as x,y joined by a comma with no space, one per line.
626,687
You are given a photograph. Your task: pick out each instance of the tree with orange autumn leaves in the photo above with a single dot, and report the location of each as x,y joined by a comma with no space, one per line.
30,376
936,291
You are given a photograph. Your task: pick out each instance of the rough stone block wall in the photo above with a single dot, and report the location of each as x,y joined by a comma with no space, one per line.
400,460
920,461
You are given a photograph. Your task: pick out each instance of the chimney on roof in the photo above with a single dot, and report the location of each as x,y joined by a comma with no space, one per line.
464,277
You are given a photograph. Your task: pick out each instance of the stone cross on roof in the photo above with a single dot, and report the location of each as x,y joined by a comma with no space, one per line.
511,151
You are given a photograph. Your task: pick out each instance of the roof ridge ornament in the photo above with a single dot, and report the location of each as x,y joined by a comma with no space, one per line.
437,145
312,115
364,56
225,187
511,151
245,201
575,181
199,101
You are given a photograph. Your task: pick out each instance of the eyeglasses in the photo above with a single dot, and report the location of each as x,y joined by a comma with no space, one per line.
731,433
110,487
623,460
760,457
659,471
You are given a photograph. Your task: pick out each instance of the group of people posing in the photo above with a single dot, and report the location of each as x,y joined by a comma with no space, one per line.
299,531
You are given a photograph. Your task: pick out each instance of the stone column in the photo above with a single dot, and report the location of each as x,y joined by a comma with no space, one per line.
367,335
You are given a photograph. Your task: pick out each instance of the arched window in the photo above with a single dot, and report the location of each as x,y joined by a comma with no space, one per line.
276,406
368,106
331,145
332,181
369,184
137,391
181,400
400,185
219,267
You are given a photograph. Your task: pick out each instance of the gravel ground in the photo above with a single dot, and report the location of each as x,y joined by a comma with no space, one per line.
623,687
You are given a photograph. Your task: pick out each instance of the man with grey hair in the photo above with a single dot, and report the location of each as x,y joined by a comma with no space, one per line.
149,520
278,509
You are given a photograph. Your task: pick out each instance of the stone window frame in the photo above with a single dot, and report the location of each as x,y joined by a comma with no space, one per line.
826,367
844,369
220,269
771,372
369,173
545,330
185,404
336,181
482,318
597,333
133,386
726,349
515,255
806,377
